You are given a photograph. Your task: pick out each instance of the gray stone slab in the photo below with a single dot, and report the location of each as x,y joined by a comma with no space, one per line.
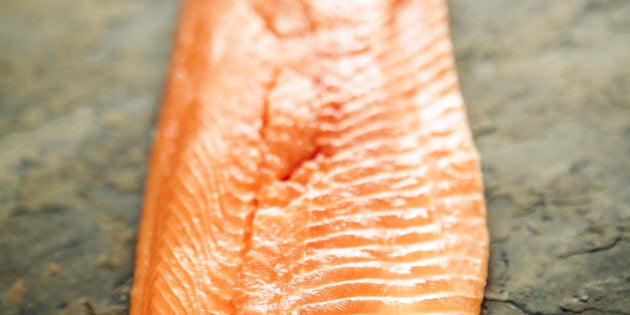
80,85
546,85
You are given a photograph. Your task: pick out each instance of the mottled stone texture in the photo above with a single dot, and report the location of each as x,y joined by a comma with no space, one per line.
80,85
547,88
546,84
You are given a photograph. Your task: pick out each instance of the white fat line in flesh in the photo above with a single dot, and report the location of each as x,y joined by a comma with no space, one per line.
170,278
408,283
432,13
379,233
400,145
429,48
392,251
432,64
418,191
468,221
403,214
387,299
430,85
422,46
184,262
405,146
449,187
390,113
191,229
411,176
458,179
406,151
407,213
435,261
452,137
451,201
346,137
453,127
455,166
217,253
444,105
395,158
350,138
429,92
449,126
169,300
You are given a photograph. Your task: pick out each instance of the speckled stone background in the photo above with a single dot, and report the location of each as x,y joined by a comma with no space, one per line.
547,85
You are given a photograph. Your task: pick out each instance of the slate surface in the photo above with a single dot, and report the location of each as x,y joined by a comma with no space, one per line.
546,84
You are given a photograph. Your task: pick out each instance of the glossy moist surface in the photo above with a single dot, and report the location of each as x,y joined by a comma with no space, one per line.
312,157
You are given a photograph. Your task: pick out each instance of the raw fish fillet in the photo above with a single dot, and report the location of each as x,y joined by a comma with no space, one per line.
312,157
